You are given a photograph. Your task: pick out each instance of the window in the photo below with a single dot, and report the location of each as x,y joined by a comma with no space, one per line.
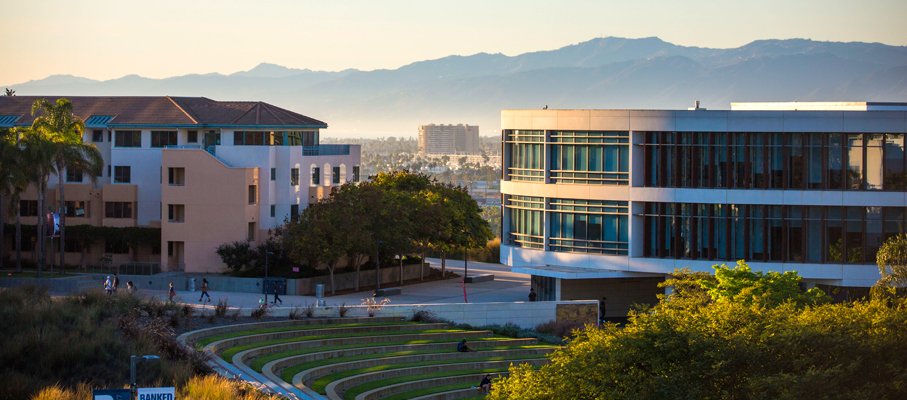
192,137
129,139
253,194
117,209
122,174
257,138
176,213
524,152
163,138
28,208
177,176
335,175
116,246
73,175
251,231
273,174
273,210
77,208
170,249
294,212
72,245
526,221
316,176
355,173
97,135
590,158
589,226
108,171
294,177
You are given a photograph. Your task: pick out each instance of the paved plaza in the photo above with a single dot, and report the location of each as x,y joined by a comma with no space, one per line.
506,287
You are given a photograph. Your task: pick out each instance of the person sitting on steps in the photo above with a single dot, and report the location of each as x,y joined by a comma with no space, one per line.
486,383
463,347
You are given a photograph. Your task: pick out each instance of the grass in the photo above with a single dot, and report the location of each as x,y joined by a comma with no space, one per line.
259,362
228,354
201,343
357,390
437,389
210,387
321,383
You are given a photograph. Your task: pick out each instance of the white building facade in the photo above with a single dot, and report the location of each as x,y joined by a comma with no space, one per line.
607,203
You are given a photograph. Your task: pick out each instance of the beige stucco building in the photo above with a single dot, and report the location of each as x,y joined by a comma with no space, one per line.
205,172
449,139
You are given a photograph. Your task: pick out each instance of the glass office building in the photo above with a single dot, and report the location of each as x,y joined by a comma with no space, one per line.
609,202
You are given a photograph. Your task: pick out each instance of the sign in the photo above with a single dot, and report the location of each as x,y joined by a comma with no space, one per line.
164,393
295,269
52,226
111,394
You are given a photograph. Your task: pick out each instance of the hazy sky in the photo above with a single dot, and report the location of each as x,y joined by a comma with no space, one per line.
162,38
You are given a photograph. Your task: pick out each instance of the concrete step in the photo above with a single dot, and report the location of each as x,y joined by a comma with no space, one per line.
310,375
194,336
452,394
391,390
241,340
342,385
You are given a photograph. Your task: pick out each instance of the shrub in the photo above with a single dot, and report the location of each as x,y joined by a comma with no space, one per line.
563,329
309,310
374,306
343,310
235,314
259,313
423,315
220,309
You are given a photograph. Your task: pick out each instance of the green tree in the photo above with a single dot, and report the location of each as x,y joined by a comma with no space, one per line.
39,150
741,285
10,92
72,153
892,262
492,214
20,174
692,347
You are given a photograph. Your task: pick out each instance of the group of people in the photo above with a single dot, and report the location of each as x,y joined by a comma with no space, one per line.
112,284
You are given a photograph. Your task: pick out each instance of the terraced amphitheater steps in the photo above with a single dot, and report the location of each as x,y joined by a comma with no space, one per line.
470,393
274,346
290,329
337,389
391,363
201,334
308,363
304,334
385,392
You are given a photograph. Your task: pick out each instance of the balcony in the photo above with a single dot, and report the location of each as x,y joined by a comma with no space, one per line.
326,150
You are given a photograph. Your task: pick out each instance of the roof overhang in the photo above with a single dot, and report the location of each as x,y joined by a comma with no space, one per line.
562,272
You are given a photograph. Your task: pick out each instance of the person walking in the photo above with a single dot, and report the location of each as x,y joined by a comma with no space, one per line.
277,293
116,283
108,286
204,290
171,294
602,309
532,295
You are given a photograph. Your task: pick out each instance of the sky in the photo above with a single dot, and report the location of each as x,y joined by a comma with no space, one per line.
162,38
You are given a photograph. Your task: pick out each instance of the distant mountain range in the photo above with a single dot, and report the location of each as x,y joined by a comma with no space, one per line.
600,73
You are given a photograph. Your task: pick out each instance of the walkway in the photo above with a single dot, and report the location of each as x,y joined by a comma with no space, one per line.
506,287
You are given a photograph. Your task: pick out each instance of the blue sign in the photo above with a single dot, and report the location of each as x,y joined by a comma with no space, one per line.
111,394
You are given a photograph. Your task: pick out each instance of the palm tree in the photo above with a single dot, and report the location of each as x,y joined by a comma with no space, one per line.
20,176
71,153
38,152
10,92
892,262
7,162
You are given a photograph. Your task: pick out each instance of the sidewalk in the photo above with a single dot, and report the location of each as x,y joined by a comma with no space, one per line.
506,287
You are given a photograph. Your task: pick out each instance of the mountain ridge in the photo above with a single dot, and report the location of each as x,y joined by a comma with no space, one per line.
599,73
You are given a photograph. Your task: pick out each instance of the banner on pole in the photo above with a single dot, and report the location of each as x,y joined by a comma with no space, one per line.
110,394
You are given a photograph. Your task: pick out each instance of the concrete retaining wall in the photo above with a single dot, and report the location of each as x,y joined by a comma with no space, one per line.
389,277
524,314
52,285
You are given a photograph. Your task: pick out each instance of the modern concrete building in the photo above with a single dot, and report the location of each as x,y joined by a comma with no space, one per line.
607,203
449,139
206,172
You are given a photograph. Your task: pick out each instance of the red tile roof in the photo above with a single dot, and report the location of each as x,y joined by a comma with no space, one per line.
166,111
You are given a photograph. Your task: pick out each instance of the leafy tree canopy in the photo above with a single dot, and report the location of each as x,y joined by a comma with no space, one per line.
741,285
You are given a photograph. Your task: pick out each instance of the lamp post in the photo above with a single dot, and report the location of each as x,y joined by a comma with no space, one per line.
377,265
133,360
466,265
266,276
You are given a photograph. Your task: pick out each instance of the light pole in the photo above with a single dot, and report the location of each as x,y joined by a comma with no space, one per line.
377,265
133,360
466,265
266,276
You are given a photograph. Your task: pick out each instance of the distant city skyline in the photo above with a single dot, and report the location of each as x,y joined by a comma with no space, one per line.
110,39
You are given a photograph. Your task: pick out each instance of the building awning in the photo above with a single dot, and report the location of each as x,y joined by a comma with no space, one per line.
7,121
564,272
98,121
